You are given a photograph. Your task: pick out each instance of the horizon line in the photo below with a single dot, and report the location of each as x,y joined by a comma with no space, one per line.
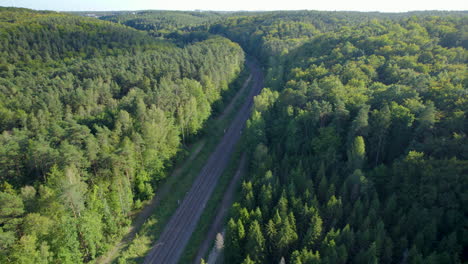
240,10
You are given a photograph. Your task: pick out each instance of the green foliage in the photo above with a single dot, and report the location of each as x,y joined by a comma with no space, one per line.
358,150
357,153
30,38
255,244
248,260
92,115
355,160
167,24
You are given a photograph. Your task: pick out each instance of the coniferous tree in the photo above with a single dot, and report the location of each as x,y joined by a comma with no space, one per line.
255,243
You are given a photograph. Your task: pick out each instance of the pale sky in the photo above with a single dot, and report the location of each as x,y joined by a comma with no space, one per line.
234,5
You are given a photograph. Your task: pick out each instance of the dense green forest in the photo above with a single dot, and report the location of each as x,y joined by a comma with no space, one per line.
166,24
358,146
92,115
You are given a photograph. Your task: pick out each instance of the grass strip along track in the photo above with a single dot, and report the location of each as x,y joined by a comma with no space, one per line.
180,227
149,221
213,218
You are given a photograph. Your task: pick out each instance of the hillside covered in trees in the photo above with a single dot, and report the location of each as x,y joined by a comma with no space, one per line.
92,114
165,23
358,146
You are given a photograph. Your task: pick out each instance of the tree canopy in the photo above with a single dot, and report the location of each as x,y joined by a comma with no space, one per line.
92,116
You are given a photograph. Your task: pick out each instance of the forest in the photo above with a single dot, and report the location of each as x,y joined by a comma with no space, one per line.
92,115
357,146
166,24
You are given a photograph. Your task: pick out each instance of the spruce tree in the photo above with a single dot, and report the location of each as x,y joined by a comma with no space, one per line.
255,245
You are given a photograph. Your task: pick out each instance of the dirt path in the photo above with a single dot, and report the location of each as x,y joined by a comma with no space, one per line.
171,243
148,210
218,223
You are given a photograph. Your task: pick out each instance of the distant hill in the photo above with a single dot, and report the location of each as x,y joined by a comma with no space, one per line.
40,35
